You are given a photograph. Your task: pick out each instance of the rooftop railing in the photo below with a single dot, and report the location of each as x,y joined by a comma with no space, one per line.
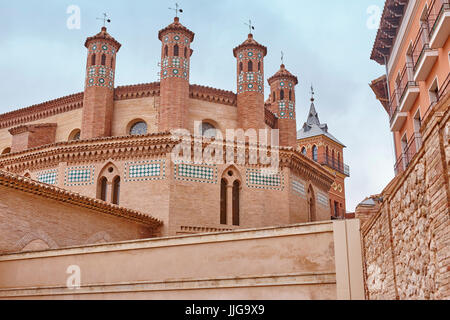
334,163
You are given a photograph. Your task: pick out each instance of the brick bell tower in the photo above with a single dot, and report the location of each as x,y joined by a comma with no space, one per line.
98,100
176,53
250,84
282,98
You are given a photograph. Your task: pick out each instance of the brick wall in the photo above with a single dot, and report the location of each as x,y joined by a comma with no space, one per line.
31,222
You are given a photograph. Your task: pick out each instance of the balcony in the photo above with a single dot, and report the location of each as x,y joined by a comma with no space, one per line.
414,145
334,163
439,22
397,118
408,90
423,56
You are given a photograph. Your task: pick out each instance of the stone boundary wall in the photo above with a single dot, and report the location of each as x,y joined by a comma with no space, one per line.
406,244
308,261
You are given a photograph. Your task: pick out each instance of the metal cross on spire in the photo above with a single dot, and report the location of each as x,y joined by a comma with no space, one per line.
250,26
105,19
176,9
282,57
312,93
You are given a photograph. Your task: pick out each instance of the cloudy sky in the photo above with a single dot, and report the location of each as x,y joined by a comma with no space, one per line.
326,43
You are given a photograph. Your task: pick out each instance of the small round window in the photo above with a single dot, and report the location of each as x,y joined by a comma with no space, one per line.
138,129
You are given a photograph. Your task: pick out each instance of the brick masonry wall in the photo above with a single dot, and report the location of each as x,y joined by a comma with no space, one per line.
30,222
410,236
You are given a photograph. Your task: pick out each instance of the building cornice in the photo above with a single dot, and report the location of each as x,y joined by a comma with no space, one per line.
27,185
42,110
132,147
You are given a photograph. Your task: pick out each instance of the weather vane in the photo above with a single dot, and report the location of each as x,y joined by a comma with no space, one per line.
250,26
312,93
282,57
105,19
177,9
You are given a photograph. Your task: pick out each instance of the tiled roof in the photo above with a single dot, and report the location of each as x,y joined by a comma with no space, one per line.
103,35
176,26
250,42
313,127
283,73
24,184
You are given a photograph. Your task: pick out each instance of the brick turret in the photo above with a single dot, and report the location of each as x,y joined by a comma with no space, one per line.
250,84
175,62
98,100
282,98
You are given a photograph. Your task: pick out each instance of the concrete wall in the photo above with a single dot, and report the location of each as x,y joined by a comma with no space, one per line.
310,261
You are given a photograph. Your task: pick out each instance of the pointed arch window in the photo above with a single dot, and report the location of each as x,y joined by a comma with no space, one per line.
236,203
176,50
282,94
315,153
241,67
333,164
259,66
112,62
250,66
103,188
103,60
166,51
274,96
93,60
223,202
185,52
339,161
327,155
290,95
116,190
304,151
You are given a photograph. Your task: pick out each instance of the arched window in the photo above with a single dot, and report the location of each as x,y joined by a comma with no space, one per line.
208,130
75,135
304,151
185,52
315,154
139,128
250,66
116,190
103,185
176,50
326,155
166,51
339,161
236,202
223,202
241,67
274,96
93,60
290,95
259,66
103,60
112,62
311,205
333,164
282,94
6,151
